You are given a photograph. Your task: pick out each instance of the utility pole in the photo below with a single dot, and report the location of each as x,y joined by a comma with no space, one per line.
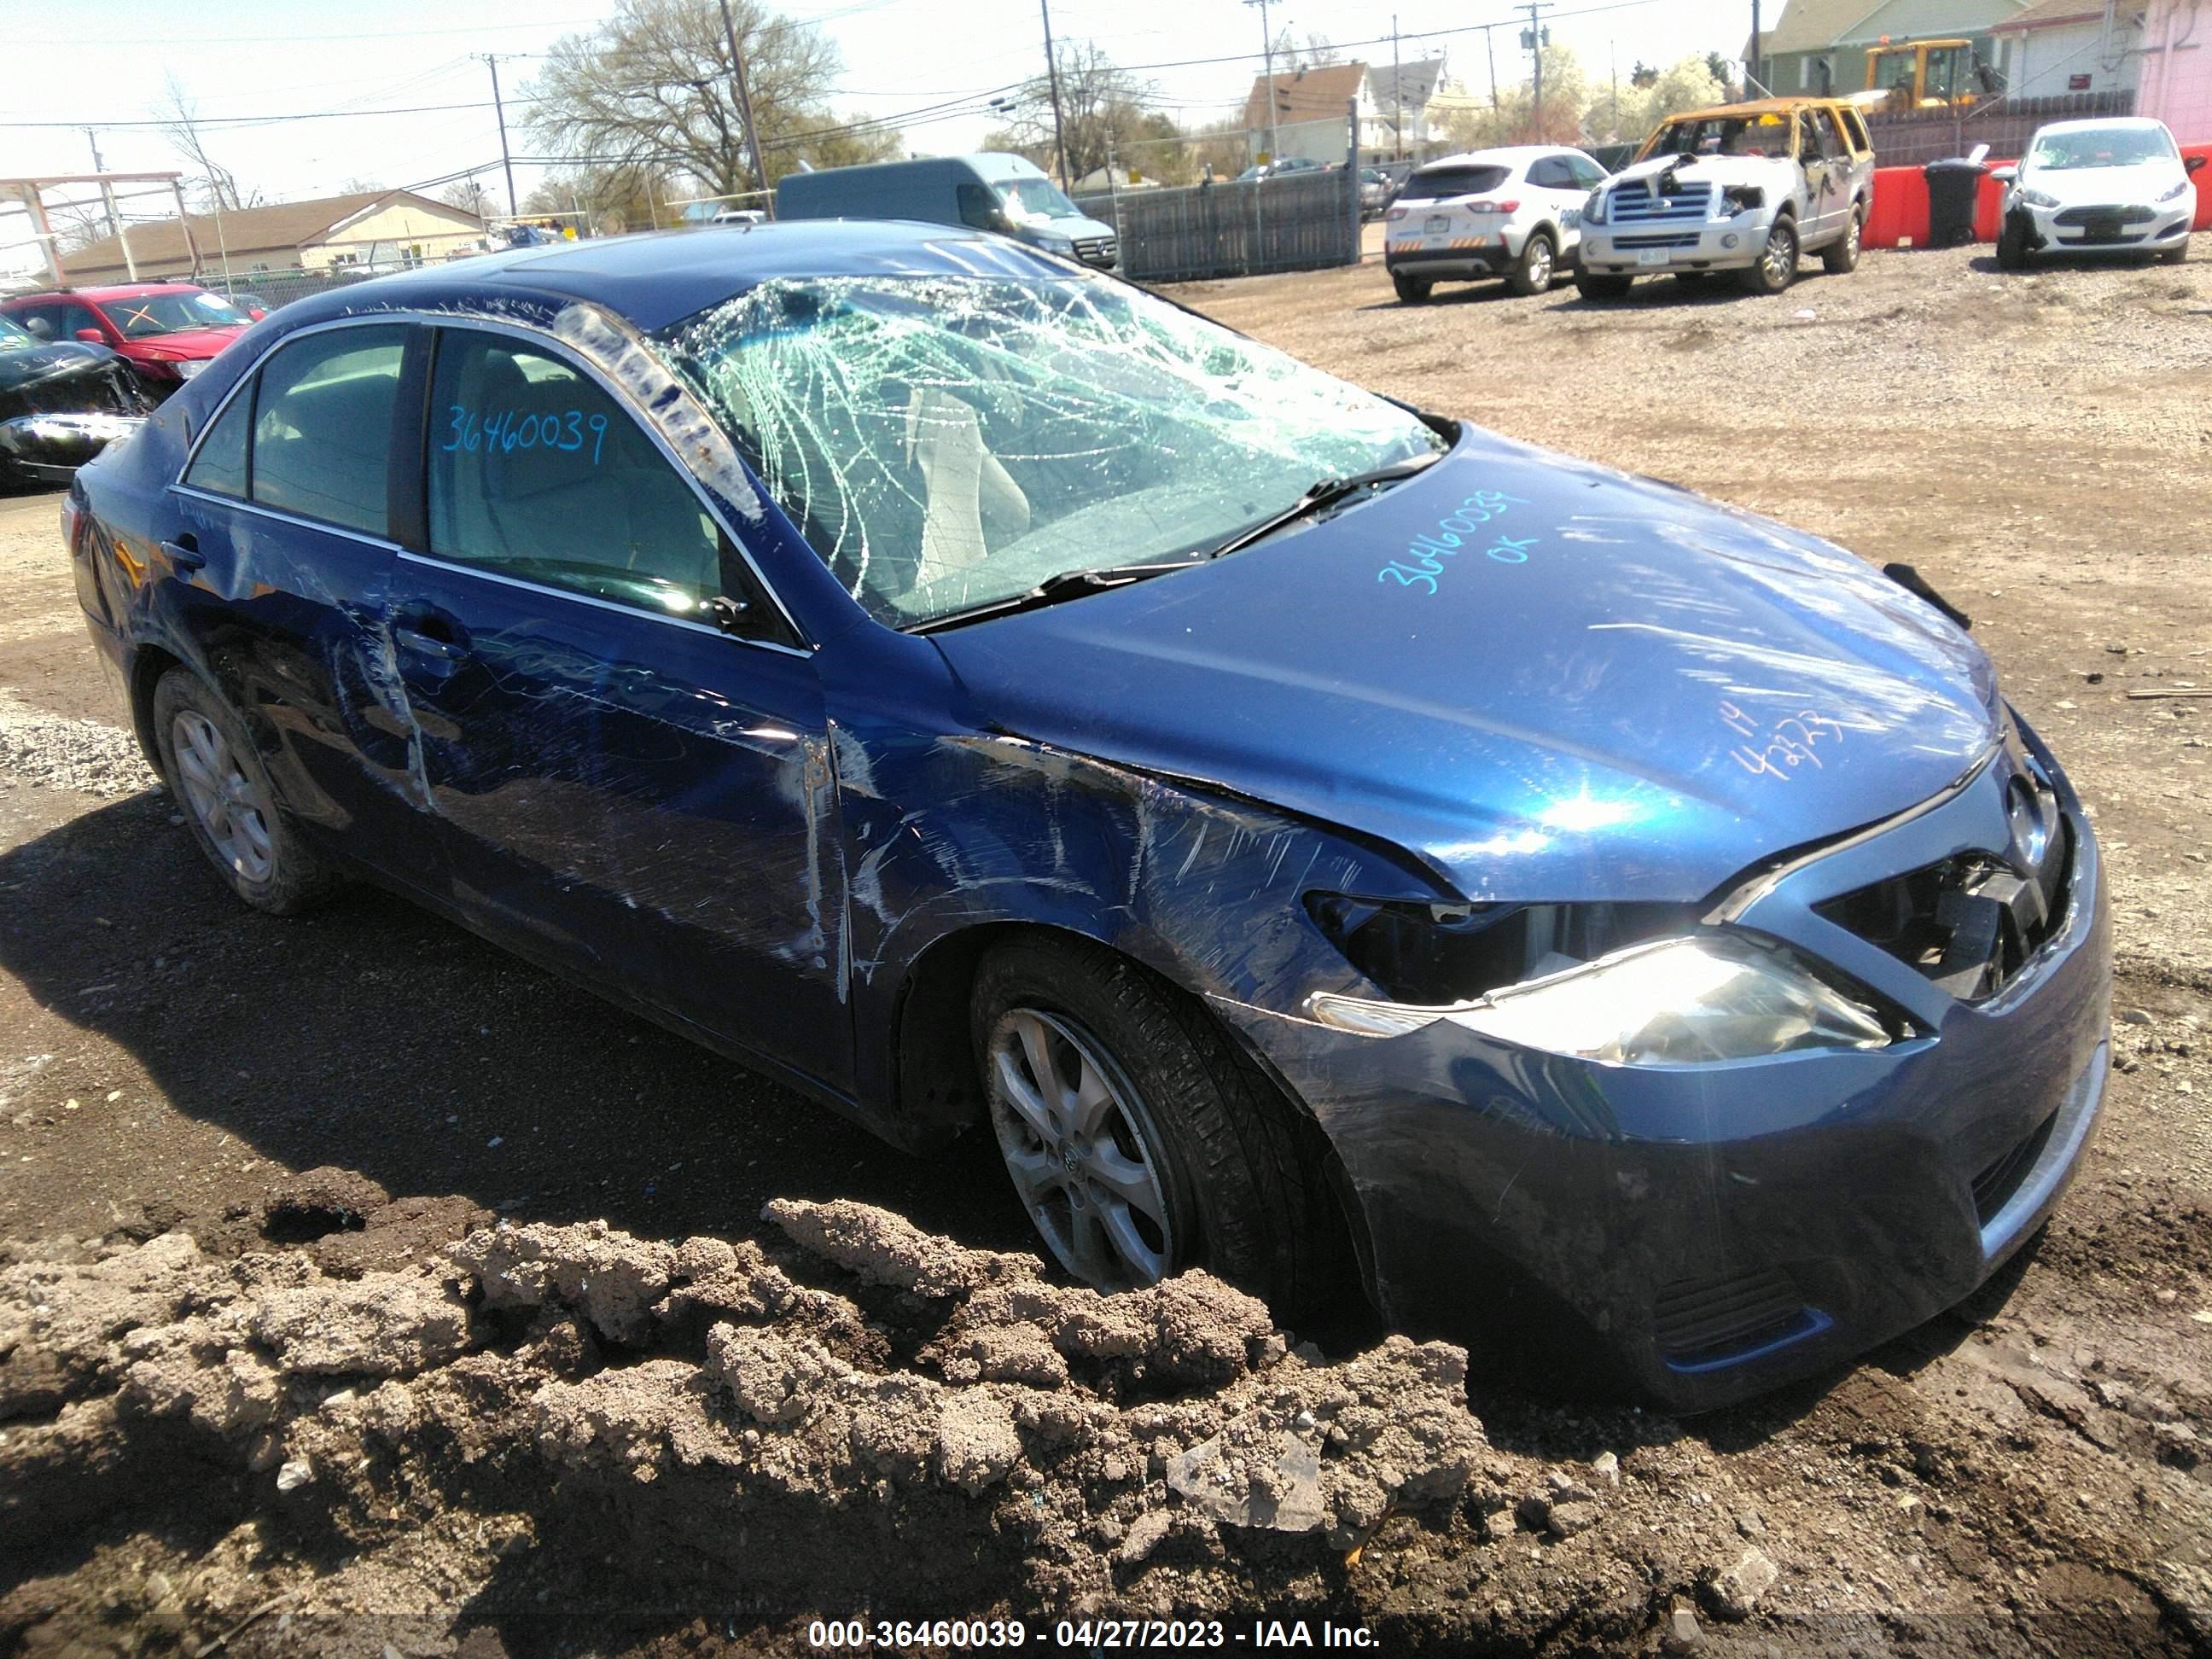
1397,96
1268,53
1533,37
499,109
107,191
1751,69
1490,47
1051,78
745,110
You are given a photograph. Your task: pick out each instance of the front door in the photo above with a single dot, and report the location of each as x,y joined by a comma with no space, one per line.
626,786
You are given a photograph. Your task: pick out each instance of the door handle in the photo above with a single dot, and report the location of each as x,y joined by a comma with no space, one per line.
433,635
184,553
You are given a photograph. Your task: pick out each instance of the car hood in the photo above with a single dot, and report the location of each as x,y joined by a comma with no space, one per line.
1708,170
183,345
29,365
2095,186
1614,690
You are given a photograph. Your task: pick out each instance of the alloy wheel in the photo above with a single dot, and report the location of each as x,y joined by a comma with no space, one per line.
1082,1150
1540,265
1778,260
231,808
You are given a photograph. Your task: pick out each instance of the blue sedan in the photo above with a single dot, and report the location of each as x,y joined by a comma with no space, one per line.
1318,839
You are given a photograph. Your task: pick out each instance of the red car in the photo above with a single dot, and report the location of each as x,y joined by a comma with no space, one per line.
166,331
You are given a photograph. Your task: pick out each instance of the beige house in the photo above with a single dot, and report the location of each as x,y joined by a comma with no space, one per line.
378,229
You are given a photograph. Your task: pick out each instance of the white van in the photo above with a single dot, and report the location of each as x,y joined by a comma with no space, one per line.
1008,194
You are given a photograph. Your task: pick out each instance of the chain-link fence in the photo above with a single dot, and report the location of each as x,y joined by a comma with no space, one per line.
1912,138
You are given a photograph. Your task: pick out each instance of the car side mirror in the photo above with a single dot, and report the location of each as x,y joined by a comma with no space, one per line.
255,313
730,615
2193,163
2004,175
92,337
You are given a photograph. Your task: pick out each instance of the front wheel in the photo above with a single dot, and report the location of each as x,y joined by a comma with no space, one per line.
1776,268
1839,258
2012,247
1411,290
1532,272
2176,254
228,805
1138,1140
1594,285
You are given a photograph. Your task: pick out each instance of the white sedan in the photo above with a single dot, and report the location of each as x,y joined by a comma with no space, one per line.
2103,185
1514,213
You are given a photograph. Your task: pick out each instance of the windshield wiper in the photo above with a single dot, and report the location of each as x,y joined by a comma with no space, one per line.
1068,585
1325,493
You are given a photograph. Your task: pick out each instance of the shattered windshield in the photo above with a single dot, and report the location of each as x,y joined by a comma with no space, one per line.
946,443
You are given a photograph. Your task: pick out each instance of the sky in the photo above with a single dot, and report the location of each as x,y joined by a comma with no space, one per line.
380,78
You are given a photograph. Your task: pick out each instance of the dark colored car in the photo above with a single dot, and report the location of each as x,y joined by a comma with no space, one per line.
61,403
1317,838
166,332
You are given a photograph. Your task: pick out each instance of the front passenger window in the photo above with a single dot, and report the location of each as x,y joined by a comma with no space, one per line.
537,473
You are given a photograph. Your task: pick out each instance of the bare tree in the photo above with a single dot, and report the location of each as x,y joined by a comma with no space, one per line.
180,122
469,195
650,89
1315,49
1103,116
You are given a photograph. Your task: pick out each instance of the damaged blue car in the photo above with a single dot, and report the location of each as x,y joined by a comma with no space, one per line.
1317,840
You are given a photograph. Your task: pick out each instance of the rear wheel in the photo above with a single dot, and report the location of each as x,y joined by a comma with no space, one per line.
228,802
1139,1141
1411,290
1532,272
1594,285
1842,256
1776,268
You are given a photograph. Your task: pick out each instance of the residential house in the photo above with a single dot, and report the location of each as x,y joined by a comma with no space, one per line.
380,229
1310,111
1395,103
1821,46
2059,47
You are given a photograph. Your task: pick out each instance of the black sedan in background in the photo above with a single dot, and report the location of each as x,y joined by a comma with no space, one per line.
61,403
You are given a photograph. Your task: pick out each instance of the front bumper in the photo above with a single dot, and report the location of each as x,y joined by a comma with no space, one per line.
51,447
2116,229
1697,1234
1656,250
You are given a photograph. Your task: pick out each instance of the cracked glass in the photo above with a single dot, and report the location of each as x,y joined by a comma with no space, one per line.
946,442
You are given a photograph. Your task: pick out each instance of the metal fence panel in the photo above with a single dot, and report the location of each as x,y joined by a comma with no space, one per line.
2005,125
1306,221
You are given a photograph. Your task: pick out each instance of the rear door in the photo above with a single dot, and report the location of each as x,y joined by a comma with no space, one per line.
281,559
625,787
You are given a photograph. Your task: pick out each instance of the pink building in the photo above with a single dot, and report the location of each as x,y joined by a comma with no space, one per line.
2176,78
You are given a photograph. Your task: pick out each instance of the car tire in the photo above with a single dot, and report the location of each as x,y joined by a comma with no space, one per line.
1411,290
1776,268
2012,247
223,792
1596,285
1841,257
1532,273
2176,254
1183,1125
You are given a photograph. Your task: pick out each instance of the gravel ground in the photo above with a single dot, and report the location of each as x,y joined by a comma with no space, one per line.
197,1433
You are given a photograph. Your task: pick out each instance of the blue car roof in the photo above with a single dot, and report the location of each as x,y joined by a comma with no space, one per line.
659,277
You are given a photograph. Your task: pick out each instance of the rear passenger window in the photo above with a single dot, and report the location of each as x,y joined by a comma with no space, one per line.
220,465
322,426
537,473
1551,173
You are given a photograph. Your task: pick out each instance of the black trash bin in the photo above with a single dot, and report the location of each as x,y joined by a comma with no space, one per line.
1954,188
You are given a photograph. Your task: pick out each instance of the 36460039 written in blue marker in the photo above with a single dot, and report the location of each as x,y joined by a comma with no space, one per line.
510,429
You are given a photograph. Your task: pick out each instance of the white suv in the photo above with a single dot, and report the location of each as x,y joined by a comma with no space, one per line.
2100,186
1512,213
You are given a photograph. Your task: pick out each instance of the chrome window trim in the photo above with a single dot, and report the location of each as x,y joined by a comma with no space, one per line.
382,543
435,561
538,340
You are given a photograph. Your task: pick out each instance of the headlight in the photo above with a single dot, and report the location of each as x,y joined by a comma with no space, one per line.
1061,245
1678,1002
2176,193
1742,198
190,366
2038,198
1594,209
